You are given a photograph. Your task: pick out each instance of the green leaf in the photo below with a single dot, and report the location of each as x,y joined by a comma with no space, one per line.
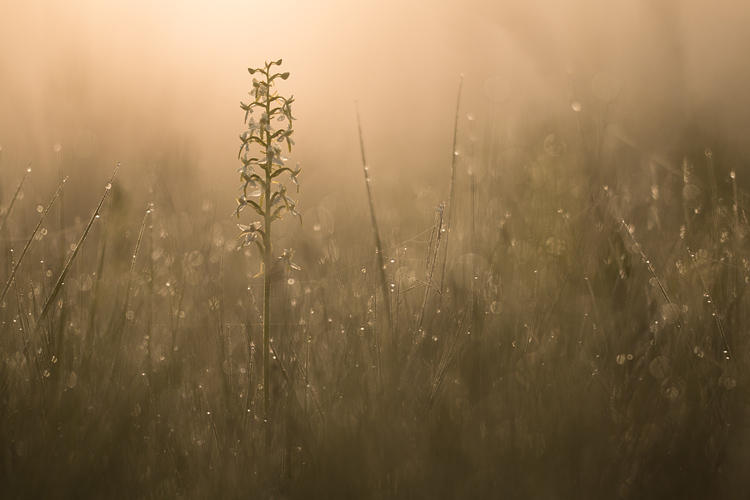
257,208
279,172
277,212
260,247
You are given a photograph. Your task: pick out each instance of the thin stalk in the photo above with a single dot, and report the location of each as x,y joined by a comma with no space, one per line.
62,245
267,249
375,231
714,197
735,212
66,269
714,312
151,277
28,243
436,233
13,200
132,263
452,187
685,182
91,334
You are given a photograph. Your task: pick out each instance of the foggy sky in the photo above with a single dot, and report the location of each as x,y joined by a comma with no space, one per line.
112,79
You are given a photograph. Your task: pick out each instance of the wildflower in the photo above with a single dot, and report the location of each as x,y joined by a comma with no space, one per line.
294,175
258,175
286,259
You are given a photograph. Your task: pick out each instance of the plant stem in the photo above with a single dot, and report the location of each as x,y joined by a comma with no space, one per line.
376,233
452,186
267,263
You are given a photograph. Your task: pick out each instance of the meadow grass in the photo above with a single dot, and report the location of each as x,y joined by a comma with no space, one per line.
588,339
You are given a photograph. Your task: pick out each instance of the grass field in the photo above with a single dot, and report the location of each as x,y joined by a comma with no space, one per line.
570,324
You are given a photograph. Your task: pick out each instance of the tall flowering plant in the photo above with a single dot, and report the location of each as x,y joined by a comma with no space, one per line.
262,189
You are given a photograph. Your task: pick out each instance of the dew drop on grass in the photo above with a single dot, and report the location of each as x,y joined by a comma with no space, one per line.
130,315
621,358
40,209
576,106
108,186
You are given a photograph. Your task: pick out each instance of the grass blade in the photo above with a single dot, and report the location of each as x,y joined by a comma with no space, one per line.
452,187
28,243
375,231
13,200
66,269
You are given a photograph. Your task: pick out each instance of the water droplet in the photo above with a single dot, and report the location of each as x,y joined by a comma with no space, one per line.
57,147
576,106
40,209
108,186
130,315
28,170
621,358
290,281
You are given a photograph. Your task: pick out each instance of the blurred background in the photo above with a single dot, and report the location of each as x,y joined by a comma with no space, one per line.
149,83
582,336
